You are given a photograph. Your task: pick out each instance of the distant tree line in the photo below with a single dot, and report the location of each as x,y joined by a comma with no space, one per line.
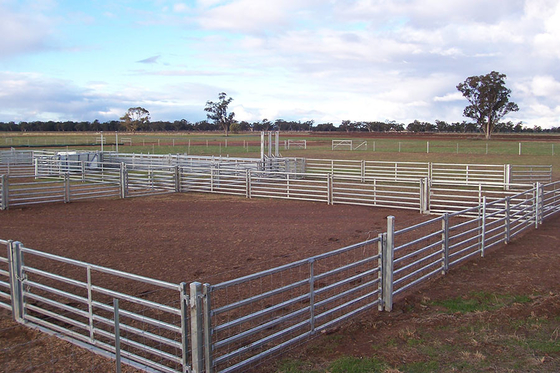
266,125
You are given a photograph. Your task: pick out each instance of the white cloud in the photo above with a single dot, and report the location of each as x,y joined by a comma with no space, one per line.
181,8
253,16
545,86
23,32
450,97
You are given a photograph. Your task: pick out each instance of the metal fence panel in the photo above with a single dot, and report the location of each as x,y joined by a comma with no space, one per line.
25,190
454,197
150,180
468,173
551,199
75,299
418,254
289,186
256,316
531,173
369,191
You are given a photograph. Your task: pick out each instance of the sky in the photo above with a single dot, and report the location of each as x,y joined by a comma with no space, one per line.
321,60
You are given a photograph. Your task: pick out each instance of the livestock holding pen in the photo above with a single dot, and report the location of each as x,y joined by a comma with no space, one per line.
231,325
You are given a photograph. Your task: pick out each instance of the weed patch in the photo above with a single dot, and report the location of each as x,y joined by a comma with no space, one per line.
480,301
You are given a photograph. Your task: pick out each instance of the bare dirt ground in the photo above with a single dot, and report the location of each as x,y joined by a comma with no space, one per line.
175,238
211,238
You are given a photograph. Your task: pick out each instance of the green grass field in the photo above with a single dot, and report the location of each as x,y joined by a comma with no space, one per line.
453,149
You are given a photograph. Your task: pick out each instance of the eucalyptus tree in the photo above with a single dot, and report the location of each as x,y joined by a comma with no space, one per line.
218,111
135,118
488,99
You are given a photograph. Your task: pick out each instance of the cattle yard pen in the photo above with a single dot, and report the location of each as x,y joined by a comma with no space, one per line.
233,325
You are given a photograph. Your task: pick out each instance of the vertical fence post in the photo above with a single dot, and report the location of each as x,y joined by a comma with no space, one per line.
330,183
445,243
5,192
207,338
66,188
388,252
248,183
483,226
184,300
507,220
15,261
83,170
197,350
363,170
424,196
312,295
117,335
90,304
507,176
380,266
123,180
537,203
177,176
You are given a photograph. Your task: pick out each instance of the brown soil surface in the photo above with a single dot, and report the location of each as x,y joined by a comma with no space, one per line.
194,237
212,238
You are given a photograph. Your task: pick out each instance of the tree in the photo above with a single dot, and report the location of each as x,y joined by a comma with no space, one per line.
488,98
217,111
135,117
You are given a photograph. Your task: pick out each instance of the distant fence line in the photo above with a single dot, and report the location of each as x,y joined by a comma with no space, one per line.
235,324
67,181
426,187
